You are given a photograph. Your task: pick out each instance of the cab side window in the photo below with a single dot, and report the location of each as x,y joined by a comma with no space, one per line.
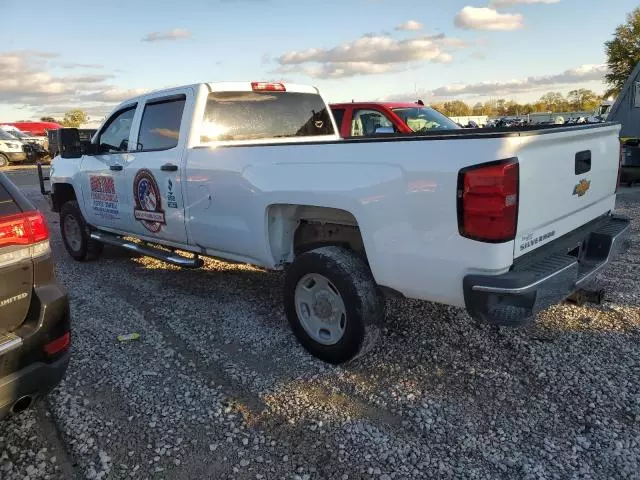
114,138
160,125
365,122
338,115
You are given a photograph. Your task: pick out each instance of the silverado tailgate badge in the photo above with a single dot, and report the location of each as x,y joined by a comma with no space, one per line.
581,188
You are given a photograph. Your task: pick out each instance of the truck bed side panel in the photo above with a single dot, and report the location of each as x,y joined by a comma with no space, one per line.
403,195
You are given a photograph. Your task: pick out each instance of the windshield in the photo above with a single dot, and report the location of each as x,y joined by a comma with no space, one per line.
4,135
420,119
18,134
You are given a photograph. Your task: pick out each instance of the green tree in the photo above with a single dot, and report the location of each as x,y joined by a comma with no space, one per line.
74,118
553,101
491,107
48,119
527,108
457,108
623,52
478,109
512,108
583,99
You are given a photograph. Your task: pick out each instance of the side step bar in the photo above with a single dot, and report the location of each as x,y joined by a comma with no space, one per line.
169,257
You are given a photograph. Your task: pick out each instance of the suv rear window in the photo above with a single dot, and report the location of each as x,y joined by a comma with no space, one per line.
264,115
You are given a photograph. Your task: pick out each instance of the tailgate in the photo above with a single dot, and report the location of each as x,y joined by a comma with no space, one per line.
567,178
16,270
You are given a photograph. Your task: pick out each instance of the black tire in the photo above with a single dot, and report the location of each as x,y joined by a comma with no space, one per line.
4,160
88,249
364,304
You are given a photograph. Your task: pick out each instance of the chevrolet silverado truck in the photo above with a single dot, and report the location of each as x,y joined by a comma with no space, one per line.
362,119
503,223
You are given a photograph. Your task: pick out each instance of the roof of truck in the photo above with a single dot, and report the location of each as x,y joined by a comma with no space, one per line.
225,86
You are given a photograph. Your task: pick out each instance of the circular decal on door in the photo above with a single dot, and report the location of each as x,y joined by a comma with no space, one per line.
148,204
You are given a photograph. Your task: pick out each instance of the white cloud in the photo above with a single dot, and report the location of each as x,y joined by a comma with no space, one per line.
175,34
411,25
573,77
369,55
111,94
27,82
511,3
472,18
93,66
584,73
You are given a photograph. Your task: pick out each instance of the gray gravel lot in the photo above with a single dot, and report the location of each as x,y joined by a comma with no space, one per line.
217,386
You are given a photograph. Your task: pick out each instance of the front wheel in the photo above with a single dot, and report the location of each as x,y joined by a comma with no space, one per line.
4,160
333,304
76,234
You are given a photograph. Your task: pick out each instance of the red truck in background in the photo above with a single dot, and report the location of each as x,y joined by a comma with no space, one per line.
36,129
359,119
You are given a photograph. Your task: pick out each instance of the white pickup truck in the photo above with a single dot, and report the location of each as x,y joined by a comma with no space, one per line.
501,222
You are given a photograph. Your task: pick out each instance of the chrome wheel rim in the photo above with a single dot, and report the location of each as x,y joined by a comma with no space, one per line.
3,161
72,233
320,309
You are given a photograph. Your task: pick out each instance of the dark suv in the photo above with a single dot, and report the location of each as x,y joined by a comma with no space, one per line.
35,332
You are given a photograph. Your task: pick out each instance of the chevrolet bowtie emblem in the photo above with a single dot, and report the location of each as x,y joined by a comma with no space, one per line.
581,188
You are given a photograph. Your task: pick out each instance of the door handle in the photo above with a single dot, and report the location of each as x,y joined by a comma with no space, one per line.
169,167
117,168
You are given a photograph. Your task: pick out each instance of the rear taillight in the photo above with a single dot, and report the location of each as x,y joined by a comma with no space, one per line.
267,87
23,229
488,201
28,230
59,345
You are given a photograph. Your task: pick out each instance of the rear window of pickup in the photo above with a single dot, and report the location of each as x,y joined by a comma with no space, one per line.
263,115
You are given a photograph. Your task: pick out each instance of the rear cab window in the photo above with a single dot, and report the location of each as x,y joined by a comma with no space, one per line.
264,115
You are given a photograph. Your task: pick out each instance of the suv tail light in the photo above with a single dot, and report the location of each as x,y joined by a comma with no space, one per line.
28,230
488,201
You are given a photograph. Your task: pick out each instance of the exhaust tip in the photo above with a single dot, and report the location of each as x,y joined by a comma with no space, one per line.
21,404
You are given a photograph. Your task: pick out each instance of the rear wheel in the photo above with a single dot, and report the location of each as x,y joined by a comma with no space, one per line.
4,160
333,304
76,234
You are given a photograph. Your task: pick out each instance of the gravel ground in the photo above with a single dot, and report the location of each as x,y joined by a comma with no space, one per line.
217,387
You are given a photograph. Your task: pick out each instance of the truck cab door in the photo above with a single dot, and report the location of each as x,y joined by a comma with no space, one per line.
154,173
105,193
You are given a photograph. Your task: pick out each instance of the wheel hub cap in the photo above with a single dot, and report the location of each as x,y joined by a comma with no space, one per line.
72,232
323,307
320,309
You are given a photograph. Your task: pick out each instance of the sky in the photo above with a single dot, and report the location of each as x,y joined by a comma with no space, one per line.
92,55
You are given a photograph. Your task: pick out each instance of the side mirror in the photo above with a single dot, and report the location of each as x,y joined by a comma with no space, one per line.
384,130
69,143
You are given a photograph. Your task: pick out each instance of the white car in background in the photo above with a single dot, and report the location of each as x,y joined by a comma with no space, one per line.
11,149
24,137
